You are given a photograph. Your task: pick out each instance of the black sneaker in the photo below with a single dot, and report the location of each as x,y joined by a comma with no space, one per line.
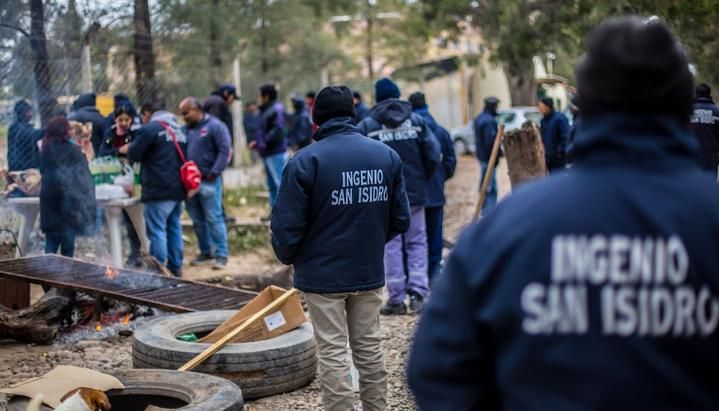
393,309
202,259
220,263
416,302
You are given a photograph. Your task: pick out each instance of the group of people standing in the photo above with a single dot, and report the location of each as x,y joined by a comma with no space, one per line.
359,209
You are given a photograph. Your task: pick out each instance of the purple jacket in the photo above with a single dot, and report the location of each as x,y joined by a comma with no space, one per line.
208,145
271,134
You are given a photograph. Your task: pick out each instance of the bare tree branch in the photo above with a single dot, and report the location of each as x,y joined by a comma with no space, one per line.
16,28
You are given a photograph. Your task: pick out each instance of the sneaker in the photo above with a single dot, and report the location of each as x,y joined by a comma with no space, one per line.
220,263
415,302
202,259
393,309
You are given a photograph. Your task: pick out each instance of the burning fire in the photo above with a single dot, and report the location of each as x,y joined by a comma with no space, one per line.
98,327
126,319
111,272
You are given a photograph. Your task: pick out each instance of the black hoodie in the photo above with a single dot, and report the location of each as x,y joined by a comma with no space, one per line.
84,111
341,199
393,123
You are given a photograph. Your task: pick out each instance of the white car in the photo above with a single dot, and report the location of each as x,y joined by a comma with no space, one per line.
512,118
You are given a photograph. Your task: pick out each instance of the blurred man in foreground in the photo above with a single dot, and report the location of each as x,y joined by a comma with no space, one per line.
606,297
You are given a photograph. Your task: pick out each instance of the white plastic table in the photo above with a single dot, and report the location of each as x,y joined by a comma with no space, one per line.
29,208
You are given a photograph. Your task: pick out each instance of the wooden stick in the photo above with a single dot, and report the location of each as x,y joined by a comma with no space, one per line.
224,340
490,170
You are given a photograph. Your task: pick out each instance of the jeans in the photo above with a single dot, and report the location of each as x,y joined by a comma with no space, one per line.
274,165
413,243
335,317
162,220
434,217
64,241
491,199
205,209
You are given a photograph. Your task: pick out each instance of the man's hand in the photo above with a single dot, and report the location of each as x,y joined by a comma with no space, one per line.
123,149
252,145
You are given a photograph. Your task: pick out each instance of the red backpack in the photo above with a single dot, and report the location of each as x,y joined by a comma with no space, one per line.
190,174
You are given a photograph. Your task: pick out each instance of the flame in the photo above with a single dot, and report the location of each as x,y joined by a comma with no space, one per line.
126,319
111,272
98,327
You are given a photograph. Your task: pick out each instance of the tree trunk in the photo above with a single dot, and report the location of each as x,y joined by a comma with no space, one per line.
144,58
265,65
38,323
215,57
525,155
85,62
522,87
38,42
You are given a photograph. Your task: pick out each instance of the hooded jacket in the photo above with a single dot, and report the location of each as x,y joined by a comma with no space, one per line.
606,298
340,200
84,111
393,123
445,171
215,105
67,193
271,134
705,125
485,131
160,162
22,138
555,134
208,145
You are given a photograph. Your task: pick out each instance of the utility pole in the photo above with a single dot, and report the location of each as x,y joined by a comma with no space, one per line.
370,40
85,62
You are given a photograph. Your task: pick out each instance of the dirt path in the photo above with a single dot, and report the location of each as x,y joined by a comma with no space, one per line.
19,362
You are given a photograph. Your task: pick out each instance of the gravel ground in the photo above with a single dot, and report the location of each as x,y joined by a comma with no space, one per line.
19,362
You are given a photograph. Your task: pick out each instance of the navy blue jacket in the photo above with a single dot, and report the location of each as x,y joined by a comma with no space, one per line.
250,122
90,114
393,123
341,199
605,299
300,133
555,133
208,145
215,104
361,110
271,133
485,131
445,171
159,160
705,124
22,151
67,193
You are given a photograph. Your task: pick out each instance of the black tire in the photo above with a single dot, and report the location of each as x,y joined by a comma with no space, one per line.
200,391
263,368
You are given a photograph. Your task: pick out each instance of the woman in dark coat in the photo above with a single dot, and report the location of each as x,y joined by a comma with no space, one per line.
67,194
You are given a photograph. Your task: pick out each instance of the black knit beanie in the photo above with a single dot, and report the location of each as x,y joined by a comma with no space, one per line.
331,102
634,65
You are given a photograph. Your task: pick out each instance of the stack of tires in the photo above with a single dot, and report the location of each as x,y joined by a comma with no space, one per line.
260,369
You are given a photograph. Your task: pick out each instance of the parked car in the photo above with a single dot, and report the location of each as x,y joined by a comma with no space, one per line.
512,118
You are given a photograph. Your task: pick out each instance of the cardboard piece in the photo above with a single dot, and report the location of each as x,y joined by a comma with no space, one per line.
63,379
287,317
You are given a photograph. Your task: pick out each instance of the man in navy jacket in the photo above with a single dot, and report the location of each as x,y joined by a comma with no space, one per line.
392,122
554,128
162,190
485,132
22,149
84,111
434,209
705,124
208,145
341,199
595,288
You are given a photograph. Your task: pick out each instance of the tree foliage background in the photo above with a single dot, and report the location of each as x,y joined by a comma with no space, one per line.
290,42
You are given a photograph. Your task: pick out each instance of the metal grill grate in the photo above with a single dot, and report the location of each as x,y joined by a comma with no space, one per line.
166,293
